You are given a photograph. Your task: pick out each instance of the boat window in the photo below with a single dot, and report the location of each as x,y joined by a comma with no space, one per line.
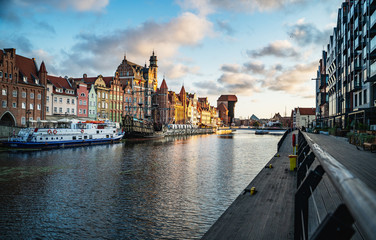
61,137
80,137
91,137
40,139
47,138
85,137
107,136
114,131
97,132
74,138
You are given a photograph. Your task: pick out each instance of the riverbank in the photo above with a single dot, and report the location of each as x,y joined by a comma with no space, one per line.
268,214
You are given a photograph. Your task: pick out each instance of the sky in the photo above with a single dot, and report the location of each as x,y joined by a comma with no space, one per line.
266,52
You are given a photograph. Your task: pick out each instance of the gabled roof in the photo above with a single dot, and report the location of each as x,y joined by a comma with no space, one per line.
60,82
27,67
230,98
307,111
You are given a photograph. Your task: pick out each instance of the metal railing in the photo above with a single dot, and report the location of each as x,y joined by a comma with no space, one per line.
359,201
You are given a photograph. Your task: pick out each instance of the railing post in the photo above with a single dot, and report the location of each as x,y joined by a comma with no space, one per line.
303,153
302,168
301,202
337,225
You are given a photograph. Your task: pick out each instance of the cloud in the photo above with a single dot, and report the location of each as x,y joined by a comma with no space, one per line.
210,6
295,80
225,27
81,5
307,33
178,70
232,83
103,52
45,26
279,48
232,68
255,67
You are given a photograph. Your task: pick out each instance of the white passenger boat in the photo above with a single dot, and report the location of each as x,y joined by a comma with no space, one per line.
66,134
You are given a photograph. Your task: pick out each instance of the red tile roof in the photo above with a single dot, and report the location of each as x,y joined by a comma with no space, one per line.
27,68
307,111
230,98
60,82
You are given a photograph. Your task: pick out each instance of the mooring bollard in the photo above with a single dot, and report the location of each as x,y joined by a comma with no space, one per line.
292,162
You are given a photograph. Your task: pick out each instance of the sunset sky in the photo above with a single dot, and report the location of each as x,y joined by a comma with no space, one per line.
264,51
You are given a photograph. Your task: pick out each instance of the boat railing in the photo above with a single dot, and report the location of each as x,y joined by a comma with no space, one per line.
357,202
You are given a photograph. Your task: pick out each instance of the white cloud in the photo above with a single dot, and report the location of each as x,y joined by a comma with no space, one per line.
105,52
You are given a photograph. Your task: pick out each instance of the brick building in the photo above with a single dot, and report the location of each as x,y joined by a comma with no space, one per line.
23,89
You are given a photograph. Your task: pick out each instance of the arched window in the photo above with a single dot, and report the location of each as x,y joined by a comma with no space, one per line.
82,94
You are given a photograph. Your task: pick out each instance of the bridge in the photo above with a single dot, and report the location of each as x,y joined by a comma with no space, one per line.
331,195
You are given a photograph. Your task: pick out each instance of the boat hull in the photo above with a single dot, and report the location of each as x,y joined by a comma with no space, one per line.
60,144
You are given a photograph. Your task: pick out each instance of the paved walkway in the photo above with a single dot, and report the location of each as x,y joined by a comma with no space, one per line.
361,163
269,213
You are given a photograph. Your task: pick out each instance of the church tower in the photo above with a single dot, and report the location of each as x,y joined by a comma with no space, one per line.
153,71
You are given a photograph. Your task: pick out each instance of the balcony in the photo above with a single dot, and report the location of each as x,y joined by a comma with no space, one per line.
372,20
372,71
355,85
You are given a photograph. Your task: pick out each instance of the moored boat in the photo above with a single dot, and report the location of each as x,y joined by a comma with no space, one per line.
66,134
261,132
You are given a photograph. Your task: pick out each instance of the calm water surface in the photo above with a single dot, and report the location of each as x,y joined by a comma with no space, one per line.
172,188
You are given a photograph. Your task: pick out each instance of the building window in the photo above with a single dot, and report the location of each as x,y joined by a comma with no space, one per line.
80,111
47,109
103,95
1,74
356,100
10,75
106,96
39,96
72,110
85,102
106,105
80,102
14,93
4,92
61,100
72,101
31,106
14,105
23,120
365,96
48,98
55,109
92,95
68,110
38,106
55,99
4,103
32,95
360,98
23,94
60,110
23,105
68,100
84,111
24,79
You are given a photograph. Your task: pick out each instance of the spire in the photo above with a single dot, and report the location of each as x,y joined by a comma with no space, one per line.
42,68
164,85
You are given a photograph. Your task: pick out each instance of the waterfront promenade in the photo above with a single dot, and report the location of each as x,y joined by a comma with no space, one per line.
268,214
362,164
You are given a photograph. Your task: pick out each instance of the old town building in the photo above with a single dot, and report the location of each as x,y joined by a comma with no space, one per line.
23,89
82,98
61,97
143,84
229,101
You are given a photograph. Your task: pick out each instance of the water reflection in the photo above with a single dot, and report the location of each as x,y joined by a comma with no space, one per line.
167,188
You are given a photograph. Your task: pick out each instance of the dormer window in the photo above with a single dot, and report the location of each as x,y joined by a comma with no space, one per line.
25,79
36,81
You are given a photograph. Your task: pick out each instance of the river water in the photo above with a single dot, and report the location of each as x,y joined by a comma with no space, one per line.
156,189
